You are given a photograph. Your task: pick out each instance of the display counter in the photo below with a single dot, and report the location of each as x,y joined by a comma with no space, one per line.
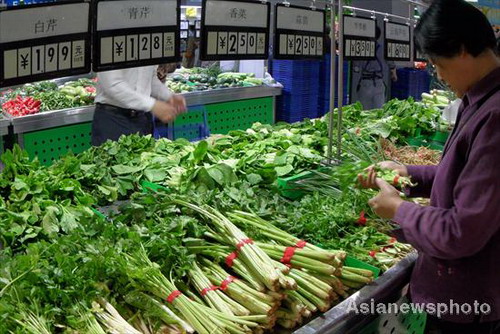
49,135
388,288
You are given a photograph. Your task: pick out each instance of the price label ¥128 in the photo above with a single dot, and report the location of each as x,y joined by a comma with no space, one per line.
132,34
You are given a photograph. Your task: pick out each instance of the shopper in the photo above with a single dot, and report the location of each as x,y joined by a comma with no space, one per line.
458,235
125,101
371,88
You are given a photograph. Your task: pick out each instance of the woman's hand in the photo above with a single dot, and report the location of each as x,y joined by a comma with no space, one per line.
369,181
387,202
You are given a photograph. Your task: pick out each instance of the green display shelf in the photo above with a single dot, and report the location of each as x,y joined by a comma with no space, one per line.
51,144
402,323
225,117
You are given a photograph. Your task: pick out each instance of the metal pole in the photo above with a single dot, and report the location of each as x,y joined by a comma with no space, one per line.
333,53
341,79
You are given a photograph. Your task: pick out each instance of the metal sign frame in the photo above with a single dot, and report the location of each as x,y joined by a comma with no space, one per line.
96,60
44,41
387,41
349,38
233,29
278,32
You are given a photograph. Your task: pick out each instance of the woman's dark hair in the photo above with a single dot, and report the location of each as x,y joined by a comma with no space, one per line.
450,25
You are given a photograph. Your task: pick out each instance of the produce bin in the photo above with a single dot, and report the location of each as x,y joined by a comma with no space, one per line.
4,130
50,135
391,287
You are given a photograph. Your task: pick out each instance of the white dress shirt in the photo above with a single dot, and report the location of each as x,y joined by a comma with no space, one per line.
134,88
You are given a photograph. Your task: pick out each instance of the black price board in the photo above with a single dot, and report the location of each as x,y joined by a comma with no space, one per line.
299,33
43,42
359,38
397,42
130,33
235,30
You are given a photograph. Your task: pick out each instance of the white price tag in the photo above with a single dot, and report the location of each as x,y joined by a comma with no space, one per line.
145,46
38,59
233,43
157,46
51,53
355,26
64,56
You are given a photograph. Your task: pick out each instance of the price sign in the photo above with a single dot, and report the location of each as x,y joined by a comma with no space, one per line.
184,25
397,42
359,38
299,33
43,42
135,33
234,30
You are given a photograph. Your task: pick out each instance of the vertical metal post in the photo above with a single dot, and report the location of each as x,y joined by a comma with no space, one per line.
341,79
333,53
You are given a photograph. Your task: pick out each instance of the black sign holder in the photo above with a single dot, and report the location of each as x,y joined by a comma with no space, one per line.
387,41
86,37
97,35
359,38
206,29
279,32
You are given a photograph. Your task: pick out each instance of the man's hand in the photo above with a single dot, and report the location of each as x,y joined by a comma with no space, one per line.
369,182
179,103
164,111
387,202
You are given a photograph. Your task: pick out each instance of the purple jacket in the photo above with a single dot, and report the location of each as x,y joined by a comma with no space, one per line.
458,235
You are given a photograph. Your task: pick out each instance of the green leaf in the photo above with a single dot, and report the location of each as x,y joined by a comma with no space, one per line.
155,175
254,178
68,222
281,171
200,152
216,174
122,169
50,222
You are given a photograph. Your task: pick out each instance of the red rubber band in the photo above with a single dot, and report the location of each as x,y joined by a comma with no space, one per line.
230,259
243,242
173,296
288,255
362,218
301,244
392,240
211,288
396,180
226,282
372,253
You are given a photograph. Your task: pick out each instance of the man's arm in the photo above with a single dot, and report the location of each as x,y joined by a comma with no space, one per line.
113,83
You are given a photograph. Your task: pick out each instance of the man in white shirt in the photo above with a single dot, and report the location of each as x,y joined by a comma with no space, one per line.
125,101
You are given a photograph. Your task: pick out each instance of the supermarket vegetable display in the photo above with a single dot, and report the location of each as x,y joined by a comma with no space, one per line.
215,241
47,96
199,79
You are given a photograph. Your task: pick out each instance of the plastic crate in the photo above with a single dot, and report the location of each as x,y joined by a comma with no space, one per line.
300,80
411,83
225,117
402,323
51,144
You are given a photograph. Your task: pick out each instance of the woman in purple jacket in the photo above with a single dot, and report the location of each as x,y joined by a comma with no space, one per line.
458,235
